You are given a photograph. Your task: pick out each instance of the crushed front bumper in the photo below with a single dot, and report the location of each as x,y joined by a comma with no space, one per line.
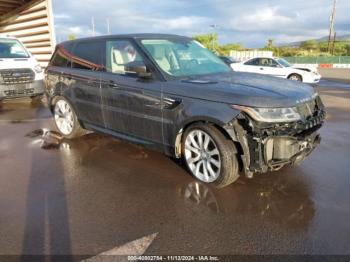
34,88
269,147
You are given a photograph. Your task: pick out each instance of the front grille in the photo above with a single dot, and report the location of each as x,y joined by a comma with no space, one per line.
19,92
17,76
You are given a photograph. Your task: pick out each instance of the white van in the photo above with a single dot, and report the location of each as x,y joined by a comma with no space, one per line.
20,73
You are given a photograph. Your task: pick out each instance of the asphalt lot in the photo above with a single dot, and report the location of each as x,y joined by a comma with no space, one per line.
94,194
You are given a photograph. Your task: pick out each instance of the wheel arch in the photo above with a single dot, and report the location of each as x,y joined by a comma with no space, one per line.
197,120
53,101
295,73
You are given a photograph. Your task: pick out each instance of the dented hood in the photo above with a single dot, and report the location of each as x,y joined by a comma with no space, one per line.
247,89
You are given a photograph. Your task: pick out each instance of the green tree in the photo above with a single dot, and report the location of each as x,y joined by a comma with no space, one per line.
270,44
310,45
225,49
72,37
348,49
210,41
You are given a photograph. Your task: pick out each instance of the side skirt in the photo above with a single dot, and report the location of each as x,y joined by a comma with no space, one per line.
131,139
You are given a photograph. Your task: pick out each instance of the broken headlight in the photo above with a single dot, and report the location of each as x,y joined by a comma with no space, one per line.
271,115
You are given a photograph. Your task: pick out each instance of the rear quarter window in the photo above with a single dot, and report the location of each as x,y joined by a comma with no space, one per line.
61,57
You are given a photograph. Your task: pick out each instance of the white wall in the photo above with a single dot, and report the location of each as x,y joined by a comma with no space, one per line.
245,55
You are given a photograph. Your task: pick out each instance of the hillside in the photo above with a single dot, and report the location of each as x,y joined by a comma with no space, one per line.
322,39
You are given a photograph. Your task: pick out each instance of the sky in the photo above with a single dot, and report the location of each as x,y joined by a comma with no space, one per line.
249,22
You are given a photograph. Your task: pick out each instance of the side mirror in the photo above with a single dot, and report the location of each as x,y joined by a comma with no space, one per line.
138,68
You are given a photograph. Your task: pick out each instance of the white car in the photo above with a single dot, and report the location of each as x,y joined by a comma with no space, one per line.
277,67
20,73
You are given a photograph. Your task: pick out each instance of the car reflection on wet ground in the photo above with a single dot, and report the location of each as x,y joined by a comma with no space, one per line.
89,195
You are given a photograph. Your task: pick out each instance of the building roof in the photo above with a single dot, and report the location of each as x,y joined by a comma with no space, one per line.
7,6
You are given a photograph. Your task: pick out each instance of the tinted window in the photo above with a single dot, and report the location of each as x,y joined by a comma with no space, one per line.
119,55
88,56
253,62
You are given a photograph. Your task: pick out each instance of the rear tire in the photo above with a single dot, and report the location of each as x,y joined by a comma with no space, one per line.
295,77
66,119
209,155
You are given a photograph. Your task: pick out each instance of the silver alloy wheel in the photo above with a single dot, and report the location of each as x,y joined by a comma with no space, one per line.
64,117
202,156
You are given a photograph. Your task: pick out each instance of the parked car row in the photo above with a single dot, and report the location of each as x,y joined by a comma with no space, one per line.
171,94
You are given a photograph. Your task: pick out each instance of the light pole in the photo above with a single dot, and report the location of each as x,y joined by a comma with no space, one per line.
331,25
108,26
93,25
213,26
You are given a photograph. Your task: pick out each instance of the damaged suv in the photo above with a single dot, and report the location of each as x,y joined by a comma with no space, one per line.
170,93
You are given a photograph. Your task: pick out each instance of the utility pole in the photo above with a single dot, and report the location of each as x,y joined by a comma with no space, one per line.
214,26
331,25
334,41
108,26
93,26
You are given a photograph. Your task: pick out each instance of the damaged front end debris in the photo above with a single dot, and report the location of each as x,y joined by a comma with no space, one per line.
271,146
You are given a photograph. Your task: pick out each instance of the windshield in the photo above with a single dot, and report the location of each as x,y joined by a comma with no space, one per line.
182,58
10,48
283,62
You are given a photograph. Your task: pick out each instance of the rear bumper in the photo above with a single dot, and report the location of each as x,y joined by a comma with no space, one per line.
34,88
314,79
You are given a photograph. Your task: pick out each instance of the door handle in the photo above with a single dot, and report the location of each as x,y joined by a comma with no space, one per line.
261,68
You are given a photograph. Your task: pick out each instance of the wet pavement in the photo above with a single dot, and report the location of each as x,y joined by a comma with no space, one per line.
89,195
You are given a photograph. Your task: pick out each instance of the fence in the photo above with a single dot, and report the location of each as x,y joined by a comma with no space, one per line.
245,55
319,60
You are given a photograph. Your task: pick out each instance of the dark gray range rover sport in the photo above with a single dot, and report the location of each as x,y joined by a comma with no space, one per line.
171,94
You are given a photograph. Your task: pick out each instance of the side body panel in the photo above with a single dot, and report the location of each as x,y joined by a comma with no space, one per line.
184,110
132,106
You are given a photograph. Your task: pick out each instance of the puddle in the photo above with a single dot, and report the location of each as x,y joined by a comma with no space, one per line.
332,84
278,199
200,195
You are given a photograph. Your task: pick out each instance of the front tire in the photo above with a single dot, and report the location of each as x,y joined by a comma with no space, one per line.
295,77
209,155
66,119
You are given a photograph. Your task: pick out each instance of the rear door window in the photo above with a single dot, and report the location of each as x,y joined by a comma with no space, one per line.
253,62
88,56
